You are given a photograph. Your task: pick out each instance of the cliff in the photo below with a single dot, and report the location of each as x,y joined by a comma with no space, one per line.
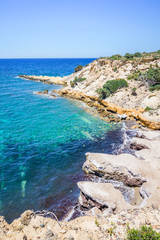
135,100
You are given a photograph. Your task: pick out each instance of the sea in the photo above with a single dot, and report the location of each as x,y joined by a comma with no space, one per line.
43,141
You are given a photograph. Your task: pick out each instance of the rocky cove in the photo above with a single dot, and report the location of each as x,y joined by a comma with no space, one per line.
108,214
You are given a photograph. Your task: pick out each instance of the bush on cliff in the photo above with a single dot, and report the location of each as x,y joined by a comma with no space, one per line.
134,75
115,57
110,87
74,82
78,68
137,54
153,88
128,56
143,233
152,77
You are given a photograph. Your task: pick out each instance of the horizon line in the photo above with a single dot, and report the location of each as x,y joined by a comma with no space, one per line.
50,58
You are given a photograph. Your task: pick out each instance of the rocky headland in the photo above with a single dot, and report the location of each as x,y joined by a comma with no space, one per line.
125,188
136,100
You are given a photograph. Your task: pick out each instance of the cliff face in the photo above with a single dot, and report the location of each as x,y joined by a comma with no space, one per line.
102,70
131,100
97,73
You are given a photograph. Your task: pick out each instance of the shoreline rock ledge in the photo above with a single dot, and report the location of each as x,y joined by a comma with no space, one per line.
45,79
141,171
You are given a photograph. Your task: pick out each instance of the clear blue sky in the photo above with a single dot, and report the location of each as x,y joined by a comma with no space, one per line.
70,28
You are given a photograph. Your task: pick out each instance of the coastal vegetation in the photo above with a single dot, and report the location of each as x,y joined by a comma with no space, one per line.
134,91
144,232
76,80
116,57
134,56
151,77
110,87
134,75
78,68
148,109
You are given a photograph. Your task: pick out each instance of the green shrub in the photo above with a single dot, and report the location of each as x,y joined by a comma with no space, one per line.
110,87
128,56
74,82
153,88
78,68
79,79
152,77
144,232
134,75
137,54
148,109
158,51
115,57
134,91
103,93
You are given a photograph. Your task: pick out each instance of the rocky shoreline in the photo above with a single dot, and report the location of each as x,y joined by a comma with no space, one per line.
45,79
108,213
108,111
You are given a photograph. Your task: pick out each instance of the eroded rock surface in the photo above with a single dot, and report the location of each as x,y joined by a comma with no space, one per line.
141,170
109,110
124,168
101,195
82,228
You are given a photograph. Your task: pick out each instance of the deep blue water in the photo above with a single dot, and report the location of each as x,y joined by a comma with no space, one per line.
43,141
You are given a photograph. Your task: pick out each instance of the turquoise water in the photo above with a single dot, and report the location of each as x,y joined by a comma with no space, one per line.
43,141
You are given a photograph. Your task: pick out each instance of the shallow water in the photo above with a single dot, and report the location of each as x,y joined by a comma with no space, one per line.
43,141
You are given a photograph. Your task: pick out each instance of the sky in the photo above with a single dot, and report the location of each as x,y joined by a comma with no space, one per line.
77,29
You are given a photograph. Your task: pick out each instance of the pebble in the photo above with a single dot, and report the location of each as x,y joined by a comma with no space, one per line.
147,221
49,234
71,238
42,225
63,231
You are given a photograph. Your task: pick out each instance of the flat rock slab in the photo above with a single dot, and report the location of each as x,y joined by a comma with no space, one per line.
150,135
151,150
142,170
125,168
103,195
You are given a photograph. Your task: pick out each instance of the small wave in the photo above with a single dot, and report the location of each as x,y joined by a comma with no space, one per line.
127,135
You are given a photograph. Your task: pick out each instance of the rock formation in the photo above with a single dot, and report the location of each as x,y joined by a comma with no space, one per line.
144,106
141,170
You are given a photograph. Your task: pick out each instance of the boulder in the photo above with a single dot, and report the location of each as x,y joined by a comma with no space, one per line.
101,195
